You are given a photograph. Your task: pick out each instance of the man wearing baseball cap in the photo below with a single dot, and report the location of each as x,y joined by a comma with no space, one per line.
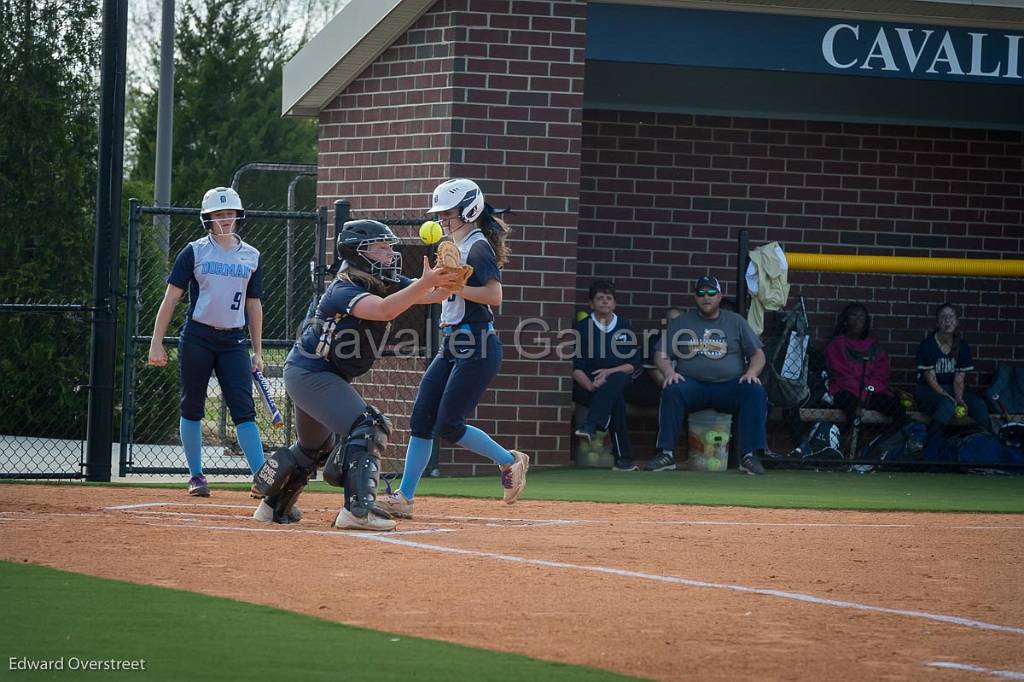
718,358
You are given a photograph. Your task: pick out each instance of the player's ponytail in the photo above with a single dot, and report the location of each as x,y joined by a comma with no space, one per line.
496,230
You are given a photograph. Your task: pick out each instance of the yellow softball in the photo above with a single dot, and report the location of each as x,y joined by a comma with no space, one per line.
430,232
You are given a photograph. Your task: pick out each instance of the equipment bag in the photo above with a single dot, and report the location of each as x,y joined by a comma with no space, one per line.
785,374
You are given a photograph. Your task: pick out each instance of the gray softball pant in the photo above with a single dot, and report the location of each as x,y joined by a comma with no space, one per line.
324,404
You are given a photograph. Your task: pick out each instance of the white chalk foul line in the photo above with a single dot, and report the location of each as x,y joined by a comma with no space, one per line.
693,522
987,527
288,529
390,538
795,525
1005,674
143,508
145,505
558,522
795,596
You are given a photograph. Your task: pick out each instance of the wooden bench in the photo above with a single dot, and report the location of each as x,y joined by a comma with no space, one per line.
815,414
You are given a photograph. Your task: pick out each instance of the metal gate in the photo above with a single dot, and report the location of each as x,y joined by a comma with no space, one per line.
294,249
44,390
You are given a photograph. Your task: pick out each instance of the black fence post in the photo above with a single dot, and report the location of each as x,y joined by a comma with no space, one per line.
342,214
321,250
131,318
103,348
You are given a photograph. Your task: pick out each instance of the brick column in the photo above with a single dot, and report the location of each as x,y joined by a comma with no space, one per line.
492,91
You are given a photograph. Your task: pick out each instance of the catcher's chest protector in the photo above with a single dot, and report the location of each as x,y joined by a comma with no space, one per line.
352,350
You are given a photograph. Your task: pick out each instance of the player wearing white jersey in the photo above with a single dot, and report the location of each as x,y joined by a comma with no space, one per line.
470,353
224,278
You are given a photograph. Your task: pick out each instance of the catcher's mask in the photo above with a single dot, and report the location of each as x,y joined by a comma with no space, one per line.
354,245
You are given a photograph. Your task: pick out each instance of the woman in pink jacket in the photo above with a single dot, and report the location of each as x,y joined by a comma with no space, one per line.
858,366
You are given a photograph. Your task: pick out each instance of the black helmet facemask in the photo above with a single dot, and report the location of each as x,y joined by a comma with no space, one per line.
387,271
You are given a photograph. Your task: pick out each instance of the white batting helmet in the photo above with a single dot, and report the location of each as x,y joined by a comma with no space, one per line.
459,193
221,199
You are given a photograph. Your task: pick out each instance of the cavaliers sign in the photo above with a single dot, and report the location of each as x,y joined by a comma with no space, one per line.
921,51
776,42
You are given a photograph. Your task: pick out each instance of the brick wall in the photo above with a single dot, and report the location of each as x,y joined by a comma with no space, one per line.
490,90
663,197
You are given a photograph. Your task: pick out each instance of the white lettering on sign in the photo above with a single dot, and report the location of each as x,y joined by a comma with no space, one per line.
921,50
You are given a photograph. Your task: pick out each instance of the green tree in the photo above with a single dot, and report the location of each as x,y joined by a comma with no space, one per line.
48,111
227,92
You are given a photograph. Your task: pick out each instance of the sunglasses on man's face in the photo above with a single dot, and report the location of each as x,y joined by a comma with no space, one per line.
707,292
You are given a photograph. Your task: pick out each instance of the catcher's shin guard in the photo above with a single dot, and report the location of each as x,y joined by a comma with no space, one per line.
282,477
355,464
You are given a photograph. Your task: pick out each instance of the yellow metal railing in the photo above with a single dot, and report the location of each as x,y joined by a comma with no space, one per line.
906,265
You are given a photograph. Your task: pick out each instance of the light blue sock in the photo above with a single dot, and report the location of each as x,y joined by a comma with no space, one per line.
249,438
192,443
416,457
479,442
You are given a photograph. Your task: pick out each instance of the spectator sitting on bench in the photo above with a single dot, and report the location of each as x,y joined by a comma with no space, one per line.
605,360
718,358
858,366
943,359
645,389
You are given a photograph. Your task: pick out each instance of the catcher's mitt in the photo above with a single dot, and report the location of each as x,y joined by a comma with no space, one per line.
449,258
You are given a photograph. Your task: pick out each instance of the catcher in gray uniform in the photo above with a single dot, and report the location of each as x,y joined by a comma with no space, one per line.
335,426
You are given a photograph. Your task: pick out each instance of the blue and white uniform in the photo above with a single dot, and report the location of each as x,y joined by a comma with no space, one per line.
468,360
941,408
476,251
218,281
213,340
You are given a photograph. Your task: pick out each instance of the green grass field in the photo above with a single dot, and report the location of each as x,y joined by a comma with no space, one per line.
780,489
50,614
880,491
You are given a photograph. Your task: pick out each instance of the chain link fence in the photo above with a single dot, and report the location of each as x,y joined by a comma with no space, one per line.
45,370
43,424
292,245
392,383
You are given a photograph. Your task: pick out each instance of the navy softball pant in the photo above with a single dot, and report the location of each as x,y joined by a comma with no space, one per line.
202,351
453,385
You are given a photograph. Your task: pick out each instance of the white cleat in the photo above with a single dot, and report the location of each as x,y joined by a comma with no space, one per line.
265,513
348,521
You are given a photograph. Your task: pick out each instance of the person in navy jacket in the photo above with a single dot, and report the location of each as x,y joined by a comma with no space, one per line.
606,358
943,360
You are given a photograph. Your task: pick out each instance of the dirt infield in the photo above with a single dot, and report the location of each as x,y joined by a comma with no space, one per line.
666,592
